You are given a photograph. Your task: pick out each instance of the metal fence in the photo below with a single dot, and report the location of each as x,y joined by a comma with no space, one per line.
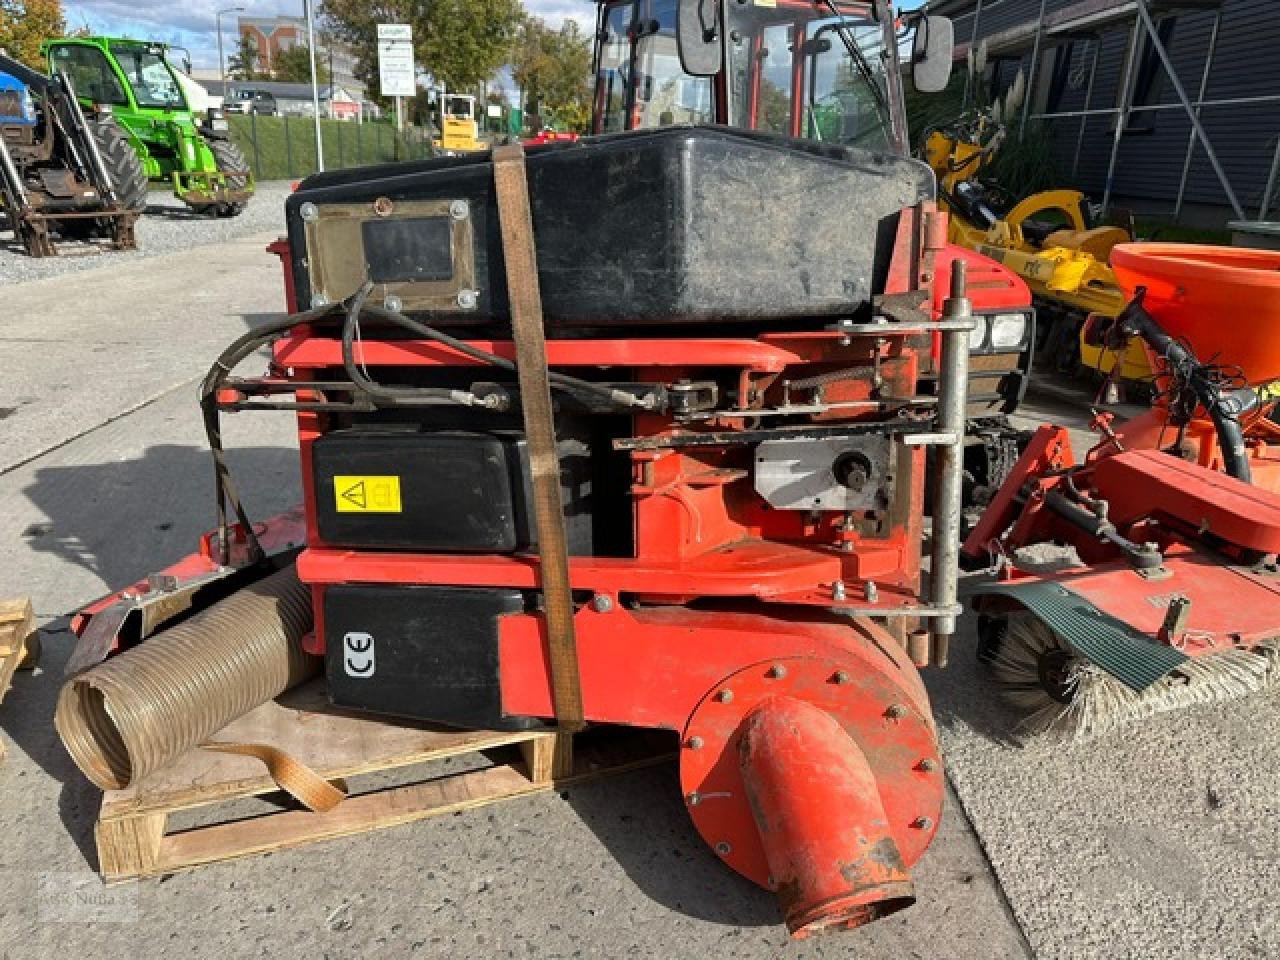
284,148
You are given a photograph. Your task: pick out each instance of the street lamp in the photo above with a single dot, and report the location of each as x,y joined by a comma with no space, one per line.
222,67
315,86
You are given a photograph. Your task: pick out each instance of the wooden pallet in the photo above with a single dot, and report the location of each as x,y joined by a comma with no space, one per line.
135,832
17,633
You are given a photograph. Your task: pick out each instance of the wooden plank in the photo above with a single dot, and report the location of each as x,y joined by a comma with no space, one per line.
17,623
333,744
373,811
134,846
548,758
129,847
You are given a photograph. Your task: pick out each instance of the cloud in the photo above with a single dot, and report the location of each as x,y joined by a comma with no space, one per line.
191,24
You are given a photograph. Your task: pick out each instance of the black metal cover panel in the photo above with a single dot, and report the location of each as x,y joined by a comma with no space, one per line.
683,224
425,652
451,491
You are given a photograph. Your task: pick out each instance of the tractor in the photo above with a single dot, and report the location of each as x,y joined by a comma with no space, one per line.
628,430
176,143
820,71
63,172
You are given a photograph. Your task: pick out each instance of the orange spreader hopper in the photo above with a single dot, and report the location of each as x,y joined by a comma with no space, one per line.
1223,301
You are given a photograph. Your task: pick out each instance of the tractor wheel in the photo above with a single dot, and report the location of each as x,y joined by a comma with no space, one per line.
232,164
122,162
128,178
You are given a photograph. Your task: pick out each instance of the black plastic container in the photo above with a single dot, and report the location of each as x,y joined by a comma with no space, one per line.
677,225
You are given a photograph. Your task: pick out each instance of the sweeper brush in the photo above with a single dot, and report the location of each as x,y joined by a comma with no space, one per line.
1173,599
1064,695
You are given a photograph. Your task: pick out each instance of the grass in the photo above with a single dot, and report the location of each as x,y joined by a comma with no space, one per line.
283,148
1172,233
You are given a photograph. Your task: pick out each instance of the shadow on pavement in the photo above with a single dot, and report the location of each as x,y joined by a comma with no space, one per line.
641,821
125,519
120,521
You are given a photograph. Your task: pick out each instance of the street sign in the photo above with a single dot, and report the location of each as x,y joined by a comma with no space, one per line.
396,75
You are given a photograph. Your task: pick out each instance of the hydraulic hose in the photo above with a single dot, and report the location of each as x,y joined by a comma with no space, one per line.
136,712
1223,406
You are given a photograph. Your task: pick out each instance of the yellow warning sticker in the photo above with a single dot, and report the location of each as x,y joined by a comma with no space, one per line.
367,494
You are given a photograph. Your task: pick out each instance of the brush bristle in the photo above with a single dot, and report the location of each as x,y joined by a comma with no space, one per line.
1100,703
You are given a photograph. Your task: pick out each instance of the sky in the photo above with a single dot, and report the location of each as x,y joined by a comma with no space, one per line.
190,23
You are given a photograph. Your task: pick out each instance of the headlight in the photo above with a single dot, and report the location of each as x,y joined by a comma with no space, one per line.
978,335
1008,330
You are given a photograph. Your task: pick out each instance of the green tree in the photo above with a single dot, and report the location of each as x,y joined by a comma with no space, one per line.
553,70
243,64
25,24
294,66
460,43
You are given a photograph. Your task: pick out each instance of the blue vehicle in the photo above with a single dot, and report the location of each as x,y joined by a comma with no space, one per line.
64,172
16,106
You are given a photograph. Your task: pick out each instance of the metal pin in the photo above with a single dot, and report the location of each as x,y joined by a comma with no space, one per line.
776,672
694,743
725,696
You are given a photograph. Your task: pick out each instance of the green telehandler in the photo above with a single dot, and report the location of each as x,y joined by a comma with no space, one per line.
176,143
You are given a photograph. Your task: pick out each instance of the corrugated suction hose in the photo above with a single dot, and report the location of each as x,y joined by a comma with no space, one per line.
136,712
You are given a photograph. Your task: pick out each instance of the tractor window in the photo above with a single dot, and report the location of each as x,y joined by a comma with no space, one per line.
792,72
90,73
149,76
613,71
638,42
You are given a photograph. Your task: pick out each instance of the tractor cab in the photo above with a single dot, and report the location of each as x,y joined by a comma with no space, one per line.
18,116
821,70
16,106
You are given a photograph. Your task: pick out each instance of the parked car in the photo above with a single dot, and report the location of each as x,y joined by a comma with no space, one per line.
246,100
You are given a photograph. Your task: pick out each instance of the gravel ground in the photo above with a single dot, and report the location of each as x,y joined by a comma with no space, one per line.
167,226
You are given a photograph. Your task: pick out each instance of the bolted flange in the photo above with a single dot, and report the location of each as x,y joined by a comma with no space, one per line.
711,775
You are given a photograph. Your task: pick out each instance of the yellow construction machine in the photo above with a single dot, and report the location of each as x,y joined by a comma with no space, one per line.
459,130
1045,238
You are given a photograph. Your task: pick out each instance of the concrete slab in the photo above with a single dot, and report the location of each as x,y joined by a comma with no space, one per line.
82,348
1158,842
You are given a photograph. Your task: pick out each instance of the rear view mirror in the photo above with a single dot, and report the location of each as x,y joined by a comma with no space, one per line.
698,37
931,54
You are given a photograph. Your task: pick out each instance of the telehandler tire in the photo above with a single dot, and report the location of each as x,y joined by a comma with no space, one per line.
122,162
127,174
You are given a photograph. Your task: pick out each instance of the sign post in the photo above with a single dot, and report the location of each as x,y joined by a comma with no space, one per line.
396,74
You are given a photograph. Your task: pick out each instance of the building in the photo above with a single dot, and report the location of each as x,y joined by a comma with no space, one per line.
1095,56
274,35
